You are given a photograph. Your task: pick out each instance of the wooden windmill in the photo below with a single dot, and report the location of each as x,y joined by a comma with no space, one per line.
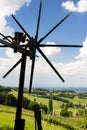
17,43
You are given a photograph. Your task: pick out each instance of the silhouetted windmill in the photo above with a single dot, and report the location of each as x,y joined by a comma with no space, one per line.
31,44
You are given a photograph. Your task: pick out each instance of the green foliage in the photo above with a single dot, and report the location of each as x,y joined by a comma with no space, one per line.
65,113
62,105
11,100
6,128
66,94
57,122
40,91
33,106
84,121
82,95
4,89
25,103
50,106
44,108
3,97
60,99
73,104
81,112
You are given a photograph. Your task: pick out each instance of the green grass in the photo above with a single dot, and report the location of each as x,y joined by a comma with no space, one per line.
56,104
76,122
7,118
77,100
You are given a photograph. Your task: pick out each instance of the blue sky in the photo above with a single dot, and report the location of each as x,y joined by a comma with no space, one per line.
71,63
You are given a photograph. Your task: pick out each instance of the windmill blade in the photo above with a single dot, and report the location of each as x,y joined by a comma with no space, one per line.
20,49
5,43
38,22
36,37
50,64
54,28
5,37
2,35
12,68
32,73
21,27
59,45
3,46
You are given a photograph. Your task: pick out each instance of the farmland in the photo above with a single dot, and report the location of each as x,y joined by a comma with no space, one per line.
73,102
7,117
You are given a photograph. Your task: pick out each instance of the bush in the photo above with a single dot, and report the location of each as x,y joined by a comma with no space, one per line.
25,103
44,108
33,106
2,97
11,100
64,112
50,104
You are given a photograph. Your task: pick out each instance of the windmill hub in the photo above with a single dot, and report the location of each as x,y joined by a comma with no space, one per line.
19,37
31,46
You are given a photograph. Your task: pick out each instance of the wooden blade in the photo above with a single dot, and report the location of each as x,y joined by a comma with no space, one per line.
5,37
59,45
50,64
21,27
3,46
54,28
6,43
38,22
12,68
32,73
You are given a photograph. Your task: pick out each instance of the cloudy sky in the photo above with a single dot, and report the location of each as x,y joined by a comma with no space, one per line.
71,63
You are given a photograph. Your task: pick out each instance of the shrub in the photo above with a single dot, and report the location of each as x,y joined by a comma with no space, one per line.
33,106
44,108
2,97
25,103
11,100
50,105
64,112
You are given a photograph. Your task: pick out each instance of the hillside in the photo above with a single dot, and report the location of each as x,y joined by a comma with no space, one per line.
75,104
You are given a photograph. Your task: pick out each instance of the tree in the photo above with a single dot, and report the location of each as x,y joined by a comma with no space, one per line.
62,105
64,112
33,106
11,100
44,108
25,103
50,106
2,97
84,121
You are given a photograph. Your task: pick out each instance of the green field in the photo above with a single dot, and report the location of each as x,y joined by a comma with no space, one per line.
7,114
7,117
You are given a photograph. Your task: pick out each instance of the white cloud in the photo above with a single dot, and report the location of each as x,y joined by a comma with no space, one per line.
83,51
50,51
74,73
80,6
4,28
8,7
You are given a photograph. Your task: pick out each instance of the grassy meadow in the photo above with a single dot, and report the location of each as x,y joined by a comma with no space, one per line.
7,114
7,117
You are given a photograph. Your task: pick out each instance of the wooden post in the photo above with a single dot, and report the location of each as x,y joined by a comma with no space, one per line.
37,114
19,123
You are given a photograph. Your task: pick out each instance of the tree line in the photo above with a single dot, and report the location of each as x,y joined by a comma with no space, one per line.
11,100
